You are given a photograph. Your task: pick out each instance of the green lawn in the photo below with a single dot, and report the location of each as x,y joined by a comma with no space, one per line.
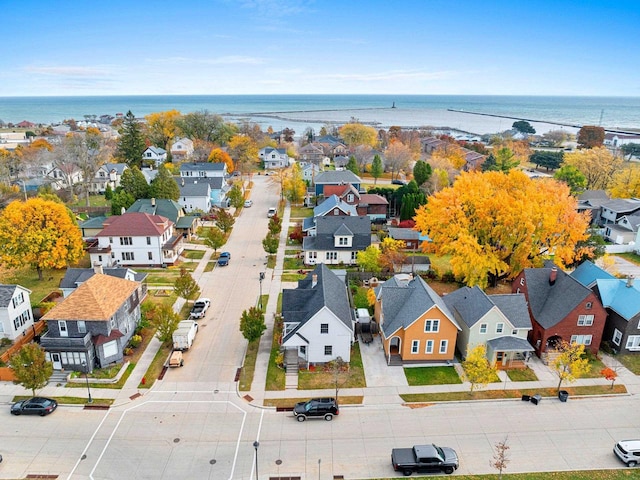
248,367
292,263
596,367
631,361
631,257
431,376
360,298
292,277
290,402
71,400
193,254
300,212
522,375
271,261
440,264
275,375
156,366
321,378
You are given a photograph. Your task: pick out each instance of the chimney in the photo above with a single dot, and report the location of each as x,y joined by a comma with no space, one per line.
97,268
630,281
553,276
183,181
314,280
153,202
123,211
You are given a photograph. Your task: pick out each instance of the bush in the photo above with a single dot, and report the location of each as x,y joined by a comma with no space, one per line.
128,351
135,341
5,342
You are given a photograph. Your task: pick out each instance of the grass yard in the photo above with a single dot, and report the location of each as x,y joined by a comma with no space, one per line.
113,386
275,375
279,305
300,212
271,261
292,252
517,393
156,366
193,254
360,298
431,376
631,257
522,375
209,266
631,361
71,400
596,366
320,379
94,201
292,263
290,402
292,277
440,264
248,367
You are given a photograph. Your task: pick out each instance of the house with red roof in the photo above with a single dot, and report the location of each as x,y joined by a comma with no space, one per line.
136,239
372,205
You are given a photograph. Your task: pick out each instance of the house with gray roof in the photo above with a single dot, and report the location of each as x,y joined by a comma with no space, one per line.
499,322
108,174
331,206
613,210
334,177
624,231
561,309
218,188
154,156
194,195
318,319
274,157
74,277
415,323
16,315
203,169
337,240
184,224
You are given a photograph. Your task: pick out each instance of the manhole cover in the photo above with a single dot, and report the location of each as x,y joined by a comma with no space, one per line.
83,457
176,440
212,461
278,462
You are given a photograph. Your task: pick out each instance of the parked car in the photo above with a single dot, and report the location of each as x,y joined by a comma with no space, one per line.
200,307
316,408
272,211
628,451
248,203
176,359
398,182
423,459
34,406
224,258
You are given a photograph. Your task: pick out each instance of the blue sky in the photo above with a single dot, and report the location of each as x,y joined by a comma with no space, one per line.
138,47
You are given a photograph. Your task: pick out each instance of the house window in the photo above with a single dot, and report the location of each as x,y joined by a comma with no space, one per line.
585,320
514,331
428,347
499,327
581,339
20,320
313,255
150,255
113,322
100,258
324,328
589,305
617,336
62,328
336,211
354,256
431,325
343,241
82,326
483,328
126,241
633,342
332,255
18,299
148,240
415,346
350,197
110,239
444,344
328,349
522,281
110,349
127,256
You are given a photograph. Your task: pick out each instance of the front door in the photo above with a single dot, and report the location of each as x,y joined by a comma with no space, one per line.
55,359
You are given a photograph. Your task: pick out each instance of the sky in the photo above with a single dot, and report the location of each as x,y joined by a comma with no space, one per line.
221,47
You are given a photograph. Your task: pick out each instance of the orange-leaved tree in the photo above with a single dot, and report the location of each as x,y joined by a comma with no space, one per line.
40,233
218,155
495,224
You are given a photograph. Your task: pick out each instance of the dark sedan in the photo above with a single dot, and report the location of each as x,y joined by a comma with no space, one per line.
34,406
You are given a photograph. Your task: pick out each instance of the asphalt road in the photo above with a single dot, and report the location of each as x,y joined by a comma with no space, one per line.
194,425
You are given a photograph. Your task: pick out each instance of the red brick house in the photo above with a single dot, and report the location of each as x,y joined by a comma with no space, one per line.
370,204
561,308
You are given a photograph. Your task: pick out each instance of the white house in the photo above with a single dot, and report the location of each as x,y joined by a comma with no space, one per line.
616,140
337,241
108,174
331,206
64,176
203,169
274,157
154,155
16,315
611,211
318,320
624,231
181,149
195,195
136,239
309,171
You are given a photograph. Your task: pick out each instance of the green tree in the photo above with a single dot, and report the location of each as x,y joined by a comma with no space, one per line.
477,369
368,260
270,244
134,183
573,177
108,192
121,200
376,168
164,186
592,248
236,197
590,136
548,160
164,320
214,238
207,127
489,165
224,220
30,367
523,127
131,143
571,363
421,172
352,165
185,286
252,324
505,159
631,149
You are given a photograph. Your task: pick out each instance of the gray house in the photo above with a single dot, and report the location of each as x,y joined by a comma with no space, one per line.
91,327
337,240
499,322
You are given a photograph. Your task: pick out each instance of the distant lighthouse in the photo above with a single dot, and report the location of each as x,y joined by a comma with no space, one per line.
393,105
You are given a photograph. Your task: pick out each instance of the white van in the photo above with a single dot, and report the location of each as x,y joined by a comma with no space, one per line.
628,451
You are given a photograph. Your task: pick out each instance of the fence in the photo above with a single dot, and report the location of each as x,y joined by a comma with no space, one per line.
620,248
28,336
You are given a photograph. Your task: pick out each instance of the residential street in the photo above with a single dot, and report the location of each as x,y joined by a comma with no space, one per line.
193,424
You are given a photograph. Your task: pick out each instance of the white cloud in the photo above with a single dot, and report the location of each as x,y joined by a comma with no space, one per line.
69,71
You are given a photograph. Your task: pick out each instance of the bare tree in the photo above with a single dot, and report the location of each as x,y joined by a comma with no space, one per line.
397,157
363,155
500,458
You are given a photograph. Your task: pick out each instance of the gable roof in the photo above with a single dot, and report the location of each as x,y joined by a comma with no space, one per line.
340,190
334,202
194,189
470,303
135,225
337,177
157,150
587,273
372,199
97,299
301,304
622,205
216,183
7,292
404,302
75,276
514,307
202,166
328,226
550,304
164,207
621,296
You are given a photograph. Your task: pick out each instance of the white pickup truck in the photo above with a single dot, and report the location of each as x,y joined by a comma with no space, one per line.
184,335
200,307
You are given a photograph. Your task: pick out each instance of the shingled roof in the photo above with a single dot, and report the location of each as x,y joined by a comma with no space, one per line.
135,225
328,226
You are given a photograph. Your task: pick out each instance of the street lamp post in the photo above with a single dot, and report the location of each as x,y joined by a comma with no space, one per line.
86,377
261,278
256,444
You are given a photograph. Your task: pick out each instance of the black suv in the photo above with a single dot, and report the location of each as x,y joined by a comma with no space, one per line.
316,408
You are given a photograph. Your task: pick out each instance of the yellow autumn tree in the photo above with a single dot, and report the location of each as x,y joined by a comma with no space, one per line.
452,154
218,155
294,186
244,152
354,134
626,182
495,224
39,233
371,297
598,165
162,127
